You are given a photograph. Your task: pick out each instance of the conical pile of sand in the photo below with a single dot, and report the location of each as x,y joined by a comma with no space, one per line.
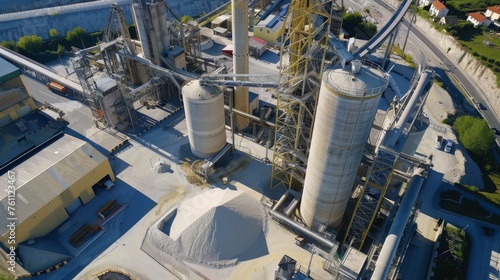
216,227
161,167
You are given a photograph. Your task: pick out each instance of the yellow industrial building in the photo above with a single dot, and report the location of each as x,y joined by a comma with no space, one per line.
50,185
271,28
15,101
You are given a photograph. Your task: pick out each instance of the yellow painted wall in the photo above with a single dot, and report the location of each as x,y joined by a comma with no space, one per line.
12,110
15,83
270,37
53,214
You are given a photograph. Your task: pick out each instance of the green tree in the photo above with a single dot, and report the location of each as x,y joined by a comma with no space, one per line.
53,33
356,27
31,44
186,18
474,134
76,34
8,44
60,49
369,29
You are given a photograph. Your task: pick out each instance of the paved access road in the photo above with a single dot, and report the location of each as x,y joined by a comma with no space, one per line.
418,39
484,258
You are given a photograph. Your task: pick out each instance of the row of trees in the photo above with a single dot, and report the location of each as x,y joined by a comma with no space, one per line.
34,44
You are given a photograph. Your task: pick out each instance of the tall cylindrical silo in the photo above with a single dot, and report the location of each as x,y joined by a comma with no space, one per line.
346,109
204,109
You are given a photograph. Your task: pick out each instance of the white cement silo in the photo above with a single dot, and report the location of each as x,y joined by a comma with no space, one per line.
346,109
204,109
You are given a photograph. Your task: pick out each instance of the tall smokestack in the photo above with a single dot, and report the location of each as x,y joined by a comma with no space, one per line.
239,9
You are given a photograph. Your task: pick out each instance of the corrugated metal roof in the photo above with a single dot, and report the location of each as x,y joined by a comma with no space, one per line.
45,175
7,70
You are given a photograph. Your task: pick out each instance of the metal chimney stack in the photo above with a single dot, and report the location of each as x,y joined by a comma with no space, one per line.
239,9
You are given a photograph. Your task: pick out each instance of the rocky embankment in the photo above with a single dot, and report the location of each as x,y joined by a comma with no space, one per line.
484,78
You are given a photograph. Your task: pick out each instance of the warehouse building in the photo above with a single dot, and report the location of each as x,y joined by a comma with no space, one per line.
49,186
15,101
271,28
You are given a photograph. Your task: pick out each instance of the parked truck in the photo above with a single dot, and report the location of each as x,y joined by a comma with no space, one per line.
57,88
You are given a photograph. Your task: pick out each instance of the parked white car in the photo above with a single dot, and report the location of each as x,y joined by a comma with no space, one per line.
449,146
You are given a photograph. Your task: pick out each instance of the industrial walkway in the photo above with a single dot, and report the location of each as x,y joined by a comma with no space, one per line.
377,40
38,71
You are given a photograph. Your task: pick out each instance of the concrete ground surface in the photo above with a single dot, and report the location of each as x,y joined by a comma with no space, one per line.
167,189
120,247
448,168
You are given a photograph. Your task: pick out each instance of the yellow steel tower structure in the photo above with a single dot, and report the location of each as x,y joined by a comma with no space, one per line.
303,48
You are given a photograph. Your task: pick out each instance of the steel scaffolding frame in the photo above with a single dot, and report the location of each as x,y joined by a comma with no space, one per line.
120,43
366,209
301,67
376,247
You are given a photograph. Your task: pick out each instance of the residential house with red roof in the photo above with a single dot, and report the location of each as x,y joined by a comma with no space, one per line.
493,12
478,18
438,9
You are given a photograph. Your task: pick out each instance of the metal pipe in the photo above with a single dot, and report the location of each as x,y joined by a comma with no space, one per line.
250,116
392,240
393,135
284,219
281,201
292,206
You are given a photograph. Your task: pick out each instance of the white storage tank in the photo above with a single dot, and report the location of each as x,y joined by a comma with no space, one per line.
204,109
347,105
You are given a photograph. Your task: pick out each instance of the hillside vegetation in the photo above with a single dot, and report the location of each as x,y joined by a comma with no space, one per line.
462,7
479,41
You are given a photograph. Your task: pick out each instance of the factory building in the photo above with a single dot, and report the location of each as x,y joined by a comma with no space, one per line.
347,106
271,28
15,101
223,21
49,186
257,46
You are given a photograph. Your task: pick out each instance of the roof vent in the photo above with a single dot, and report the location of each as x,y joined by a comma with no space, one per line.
356,66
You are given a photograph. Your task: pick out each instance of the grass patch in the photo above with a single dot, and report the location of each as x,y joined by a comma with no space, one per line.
5,275
492,187
490,171
399,52
491,178
450,200
485,46
478,41
453,254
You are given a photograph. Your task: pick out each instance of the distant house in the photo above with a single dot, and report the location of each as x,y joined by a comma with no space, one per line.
438,9
257,46
423,3
449,20
493,12
478,18
270,29
223,21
